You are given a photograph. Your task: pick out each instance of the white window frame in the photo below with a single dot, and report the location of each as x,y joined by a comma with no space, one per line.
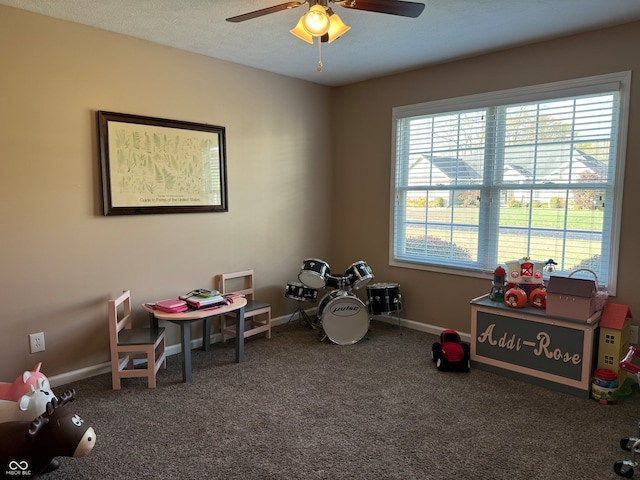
620,81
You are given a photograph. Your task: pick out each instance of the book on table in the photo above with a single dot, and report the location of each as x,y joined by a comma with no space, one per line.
199,301
172,305
200,292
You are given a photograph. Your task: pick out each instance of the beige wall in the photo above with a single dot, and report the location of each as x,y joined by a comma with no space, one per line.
62,260
363,151
298,186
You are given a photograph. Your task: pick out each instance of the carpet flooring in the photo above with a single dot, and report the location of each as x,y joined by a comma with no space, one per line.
299,408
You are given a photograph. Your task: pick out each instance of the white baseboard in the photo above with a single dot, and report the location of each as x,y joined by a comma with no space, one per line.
81,374
87,372
422,327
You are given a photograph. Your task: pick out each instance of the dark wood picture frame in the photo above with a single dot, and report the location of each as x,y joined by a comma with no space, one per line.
154,165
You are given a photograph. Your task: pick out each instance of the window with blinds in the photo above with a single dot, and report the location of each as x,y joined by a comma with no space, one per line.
534,172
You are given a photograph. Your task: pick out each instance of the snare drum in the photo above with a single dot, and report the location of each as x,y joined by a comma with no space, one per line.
344,317
384,298
339,282
300,292
359,274
313,272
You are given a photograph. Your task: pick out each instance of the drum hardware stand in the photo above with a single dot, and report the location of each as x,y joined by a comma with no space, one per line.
398,317
302,315
397,312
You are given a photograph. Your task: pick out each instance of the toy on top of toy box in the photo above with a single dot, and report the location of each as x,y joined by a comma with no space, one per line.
28,448
575,298
525,272
524,276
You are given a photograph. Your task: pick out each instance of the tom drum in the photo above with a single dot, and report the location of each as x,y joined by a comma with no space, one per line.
384,298
359,274
300,292
313,272
339,282
344,317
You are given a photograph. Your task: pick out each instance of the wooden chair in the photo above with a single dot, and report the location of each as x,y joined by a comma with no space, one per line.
129,344
257,315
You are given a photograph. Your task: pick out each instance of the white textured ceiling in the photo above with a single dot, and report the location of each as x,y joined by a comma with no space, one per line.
377,44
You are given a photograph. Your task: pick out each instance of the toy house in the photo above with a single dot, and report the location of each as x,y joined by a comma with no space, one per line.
615,326
571,297
525,272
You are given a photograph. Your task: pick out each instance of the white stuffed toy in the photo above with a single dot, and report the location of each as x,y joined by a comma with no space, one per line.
26,397
28,407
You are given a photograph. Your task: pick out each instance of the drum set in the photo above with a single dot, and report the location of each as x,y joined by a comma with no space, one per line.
343,317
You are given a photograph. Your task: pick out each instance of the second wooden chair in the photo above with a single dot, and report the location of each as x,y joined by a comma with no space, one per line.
257,314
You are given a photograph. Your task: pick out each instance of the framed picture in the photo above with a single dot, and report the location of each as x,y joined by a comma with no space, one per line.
154,165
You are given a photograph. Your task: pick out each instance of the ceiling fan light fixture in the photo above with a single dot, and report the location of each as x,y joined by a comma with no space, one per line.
337,28
316,21
301,33
320,21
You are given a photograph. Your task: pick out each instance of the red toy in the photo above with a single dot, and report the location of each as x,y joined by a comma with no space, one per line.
450,353
624,468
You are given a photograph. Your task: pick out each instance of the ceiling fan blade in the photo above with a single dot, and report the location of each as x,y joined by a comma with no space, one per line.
264,11
392,7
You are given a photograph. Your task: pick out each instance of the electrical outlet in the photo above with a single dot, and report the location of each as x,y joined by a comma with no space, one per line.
36,340
633,335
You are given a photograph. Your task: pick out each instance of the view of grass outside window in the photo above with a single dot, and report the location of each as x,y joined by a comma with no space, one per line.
487,179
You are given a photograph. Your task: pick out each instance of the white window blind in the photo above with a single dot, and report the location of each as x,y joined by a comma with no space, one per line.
535,172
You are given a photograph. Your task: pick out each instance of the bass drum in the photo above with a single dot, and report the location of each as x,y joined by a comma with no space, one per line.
344,317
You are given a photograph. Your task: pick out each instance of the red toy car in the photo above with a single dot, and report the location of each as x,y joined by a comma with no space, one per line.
450,353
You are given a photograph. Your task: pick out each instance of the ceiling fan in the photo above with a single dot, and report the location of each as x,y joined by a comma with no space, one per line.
322,22
391,7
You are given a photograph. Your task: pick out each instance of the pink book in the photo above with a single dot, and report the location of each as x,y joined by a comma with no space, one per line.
172,305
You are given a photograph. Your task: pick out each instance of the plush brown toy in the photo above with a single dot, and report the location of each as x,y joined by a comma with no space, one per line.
27,448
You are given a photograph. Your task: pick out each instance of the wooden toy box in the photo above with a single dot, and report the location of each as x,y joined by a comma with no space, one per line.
526,344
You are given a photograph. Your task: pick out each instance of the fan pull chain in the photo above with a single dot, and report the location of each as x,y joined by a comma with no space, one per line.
319,68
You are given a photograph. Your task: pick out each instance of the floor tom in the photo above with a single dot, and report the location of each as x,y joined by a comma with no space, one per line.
384,298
